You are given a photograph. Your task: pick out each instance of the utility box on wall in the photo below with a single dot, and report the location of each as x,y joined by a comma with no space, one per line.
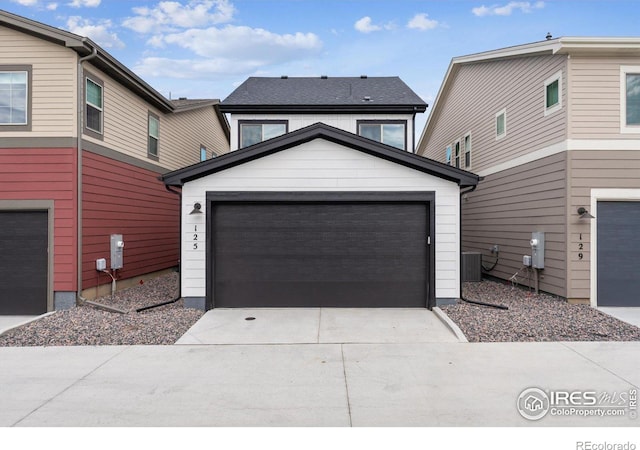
471,266
117,247
537,250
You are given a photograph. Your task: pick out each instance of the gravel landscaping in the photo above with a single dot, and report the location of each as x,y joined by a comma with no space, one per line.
532,317
87,325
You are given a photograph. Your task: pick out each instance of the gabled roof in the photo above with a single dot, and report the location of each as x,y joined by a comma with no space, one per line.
105,62
320,131
323,94
609,46
183,104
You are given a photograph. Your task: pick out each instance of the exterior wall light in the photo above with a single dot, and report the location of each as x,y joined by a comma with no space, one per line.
196,208
584,214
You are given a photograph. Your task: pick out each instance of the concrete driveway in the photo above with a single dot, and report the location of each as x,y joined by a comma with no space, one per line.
320,326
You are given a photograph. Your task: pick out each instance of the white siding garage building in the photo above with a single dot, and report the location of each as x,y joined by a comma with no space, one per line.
320,217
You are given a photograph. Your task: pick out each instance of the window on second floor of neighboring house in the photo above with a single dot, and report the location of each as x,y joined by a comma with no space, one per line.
390,132
94,110
630,99
15,98
553,94
153,142
501,124
252,132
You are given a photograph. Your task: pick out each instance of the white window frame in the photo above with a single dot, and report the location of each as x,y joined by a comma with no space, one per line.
20,125
502,112
100,84
457,152
548,110
624,128
448,154
467,149
151,116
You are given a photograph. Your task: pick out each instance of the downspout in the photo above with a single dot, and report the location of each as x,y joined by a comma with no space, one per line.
474,302
144,308
94,53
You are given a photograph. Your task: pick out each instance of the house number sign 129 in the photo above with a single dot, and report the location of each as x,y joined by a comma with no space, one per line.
580,247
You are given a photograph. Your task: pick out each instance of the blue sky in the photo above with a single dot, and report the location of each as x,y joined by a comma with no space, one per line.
205,48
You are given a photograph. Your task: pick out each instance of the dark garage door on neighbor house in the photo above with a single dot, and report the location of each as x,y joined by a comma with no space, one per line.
330,254
23,262
618,249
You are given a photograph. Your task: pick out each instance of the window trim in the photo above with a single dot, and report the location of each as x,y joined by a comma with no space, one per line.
383,122
548,110
150,155
260,122
457,151
624,128
448,154
88,131
502,112
29,70
467,150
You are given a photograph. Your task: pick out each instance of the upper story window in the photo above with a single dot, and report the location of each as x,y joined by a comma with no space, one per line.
456,153
501,124
253,132
94,98
553,94
467,151
390,132
448,155
630,99
153,142
15,98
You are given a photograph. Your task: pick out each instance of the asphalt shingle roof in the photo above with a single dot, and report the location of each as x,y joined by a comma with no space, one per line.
318,92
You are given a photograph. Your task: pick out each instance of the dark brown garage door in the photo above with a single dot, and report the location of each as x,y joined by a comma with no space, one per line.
331,254
23,262
618,249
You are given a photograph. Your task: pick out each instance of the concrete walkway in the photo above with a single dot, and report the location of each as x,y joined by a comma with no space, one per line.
358,384
630,315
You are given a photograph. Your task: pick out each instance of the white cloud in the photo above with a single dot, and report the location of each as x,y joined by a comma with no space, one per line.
422,22
52,6
85,3
197,68
238,42
26,2
365,25
99,32
506,10
172,16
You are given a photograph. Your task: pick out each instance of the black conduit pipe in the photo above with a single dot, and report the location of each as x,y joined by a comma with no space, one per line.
144,308
473,302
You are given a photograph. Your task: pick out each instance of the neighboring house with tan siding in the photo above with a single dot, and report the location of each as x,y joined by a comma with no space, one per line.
59,206
552,127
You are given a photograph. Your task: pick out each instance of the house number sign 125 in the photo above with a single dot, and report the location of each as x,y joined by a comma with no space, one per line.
195,237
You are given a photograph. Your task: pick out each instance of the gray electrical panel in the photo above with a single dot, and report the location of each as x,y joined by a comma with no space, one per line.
537,250
117,247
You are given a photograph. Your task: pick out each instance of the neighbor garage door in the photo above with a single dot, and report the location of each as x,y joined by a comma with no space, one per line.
334,254
23,262
618,249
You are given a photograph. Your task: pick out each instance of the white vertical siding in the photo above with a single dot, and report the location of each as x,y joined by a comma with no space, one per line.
345,122
322,166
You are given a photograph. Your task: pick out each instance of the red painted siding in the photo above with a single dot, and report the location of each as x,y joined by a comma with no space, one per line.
118,198
47,174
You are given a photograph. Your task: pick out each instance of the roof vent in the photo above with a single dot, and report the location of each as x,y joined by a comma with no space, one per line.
323,77
363,77
284,77
548,36
182,98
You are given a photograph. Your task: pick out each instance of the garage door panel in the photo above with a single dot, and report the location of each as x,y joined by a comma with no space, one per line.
23,262
326,254
618,247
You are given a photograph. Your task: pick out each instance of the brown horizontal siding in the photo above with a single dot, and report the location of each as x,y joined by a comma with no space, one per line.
123,199
613,169
508,206
476,92
47,174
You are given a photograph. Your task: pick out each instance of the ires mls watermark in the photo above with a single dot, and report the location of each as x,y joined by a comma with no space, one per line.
534,403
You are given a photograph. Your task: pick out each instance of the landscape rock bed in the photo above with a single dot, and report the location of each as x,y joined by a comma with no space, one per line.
87,325
531,317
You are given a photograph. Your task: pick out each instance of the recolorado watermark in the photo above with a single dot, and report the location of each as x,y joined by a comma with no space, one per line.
534,404
588,445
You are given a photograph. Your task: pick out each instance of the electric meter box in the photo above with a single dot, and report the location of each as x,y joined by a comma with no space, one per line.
537,250
117,247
